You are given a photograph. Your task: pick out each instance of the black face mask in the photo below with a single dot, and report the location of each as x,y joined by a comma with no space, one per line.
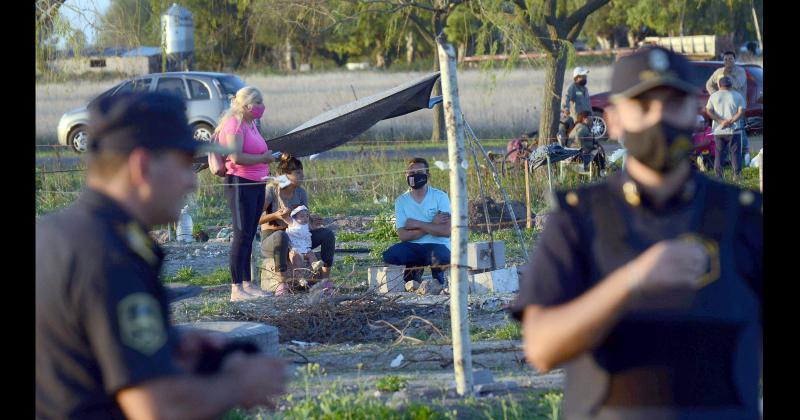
417,181
661,147
582,82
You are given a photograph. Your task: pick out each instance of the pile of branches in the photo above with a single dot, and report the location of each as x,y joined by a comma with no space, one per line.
336,318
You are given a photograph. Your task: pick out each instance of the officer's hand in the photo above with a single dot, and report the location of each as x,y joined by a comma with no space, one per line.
669,265
263,379
194,343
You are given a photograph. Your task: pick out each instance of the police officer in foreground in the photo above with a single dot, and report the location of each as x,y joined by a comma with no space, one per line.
646,287
104,345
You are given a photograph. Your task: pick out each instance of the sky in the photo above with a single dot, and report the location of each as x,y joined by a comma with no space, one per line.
83,13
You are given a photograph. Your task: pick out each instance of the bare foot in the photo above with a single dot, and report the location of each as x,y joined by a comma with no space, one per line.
253,289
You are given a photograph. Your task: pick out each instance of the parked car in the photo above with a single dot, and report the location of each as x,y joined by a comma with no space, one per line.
702,71
206,94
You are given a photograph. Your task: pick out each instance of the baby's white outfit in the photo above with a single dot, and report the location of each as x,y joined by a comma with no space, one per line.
299,237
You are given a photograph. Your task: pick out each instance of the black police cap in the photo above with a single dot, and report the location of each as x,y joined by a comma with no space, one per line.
649,68
152,121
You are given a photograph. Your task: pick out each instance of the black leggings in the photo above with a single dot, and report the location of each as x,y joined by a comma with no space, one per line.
246,203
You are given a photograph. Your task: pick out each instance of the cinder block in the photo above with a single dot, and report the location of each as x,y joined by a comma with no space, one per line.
386,279
479,255
498,281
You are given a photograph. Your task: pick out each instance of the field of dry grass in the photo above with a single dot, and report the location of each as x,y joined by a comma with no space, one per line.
501,109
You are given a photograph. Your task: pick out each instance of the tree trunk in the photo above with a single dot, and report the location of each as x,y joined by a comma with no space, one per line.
438,113
632,39
555,65
288,56
462,52
411,47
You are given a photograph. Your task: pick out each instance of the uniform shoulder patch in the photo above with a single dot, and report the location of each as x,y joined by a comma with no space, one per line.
141,324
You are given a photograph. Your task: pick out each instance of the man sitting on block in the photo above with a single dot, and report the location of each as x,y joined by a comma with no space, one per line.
423,225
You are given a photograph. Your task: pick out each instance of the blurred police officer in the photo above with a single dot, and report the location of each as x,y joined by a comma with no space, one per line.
647,286
104,345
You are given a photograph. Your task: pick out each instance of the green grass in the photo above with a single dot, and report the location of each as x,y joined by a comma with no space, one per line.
335,402
357,187
508,331
221,275
391,383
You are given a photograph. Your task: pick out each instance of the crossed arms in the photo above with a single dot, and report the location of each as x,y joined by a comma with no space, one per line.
415,229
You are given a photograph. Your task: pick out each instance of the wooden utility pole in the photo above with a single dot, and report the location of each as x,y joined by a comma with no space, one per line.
462,353
528,220
758,29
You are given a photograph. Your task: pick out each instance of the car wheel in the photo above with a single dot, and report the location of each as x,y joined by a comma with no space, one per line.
599,127
202,132
79,138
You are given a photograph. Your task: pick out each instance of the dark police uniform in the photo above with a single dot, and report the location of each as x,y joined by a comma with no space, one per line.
683,356
101,311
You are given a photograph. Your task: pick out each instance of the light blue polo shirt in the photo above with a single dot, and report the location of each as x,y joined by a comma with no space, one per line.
405,207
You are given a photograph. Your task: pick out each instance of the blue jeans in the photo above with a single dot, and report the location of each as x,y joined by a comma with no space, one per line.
412,254
722,144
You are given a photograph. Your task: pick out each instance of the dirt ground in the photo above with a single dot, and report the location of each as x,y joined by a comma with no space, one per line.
357,364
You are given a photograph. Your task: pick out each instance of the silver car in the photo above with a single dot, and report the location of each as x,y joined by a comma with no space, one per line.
206,94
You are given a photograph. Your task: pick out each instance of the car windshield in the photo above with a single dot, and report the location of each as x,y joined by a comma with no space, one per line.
231,84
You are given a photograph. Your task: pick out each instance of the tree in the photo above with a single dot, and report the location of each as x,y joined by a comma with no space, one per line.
428,18
552,26
127,23
51,30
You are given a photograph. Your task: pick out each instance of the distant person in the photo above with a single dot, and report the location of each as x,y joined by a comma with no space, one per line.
738,78
517,149
423,225
726,108
105,347
581,137
244,183
576,100
565,124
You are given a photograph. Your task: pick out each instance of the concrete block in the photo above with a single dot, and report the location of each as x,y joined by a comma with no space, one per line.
262,335
495,387
482,376
386,279
479,256
499,281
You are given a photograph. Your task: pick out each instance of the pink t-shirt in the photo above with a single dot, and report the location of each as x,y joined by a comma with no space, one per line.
253,144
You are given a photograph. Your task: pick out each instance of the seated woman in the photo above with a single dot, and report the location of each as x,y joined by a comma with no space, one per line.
278,204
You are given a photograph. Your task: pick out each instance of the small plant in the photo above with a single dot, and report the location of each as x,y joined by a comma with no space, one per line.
391,383
383,228
184,275
348,260
553,402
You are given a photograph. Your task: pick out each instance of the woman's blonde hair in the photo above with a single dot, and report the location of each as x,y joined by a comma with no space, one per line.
247,95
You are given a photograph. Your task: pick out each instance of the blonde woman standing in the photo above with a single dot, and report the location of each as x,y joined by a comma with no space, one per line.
244,185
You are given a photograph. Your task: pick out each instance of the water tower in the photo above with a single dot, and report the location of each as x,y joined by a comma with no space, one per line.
177,38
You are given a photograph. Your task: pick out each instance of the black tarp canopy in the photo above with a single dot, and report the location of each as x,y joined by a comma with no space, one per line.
340,125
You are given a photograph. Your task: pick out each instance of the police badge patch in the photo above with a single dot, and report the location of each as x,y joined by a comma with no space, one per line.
140,323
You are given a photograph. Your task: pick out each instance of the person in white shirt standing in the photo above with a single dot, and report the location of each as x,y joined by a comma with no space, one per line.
726,108
423,225
739,79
